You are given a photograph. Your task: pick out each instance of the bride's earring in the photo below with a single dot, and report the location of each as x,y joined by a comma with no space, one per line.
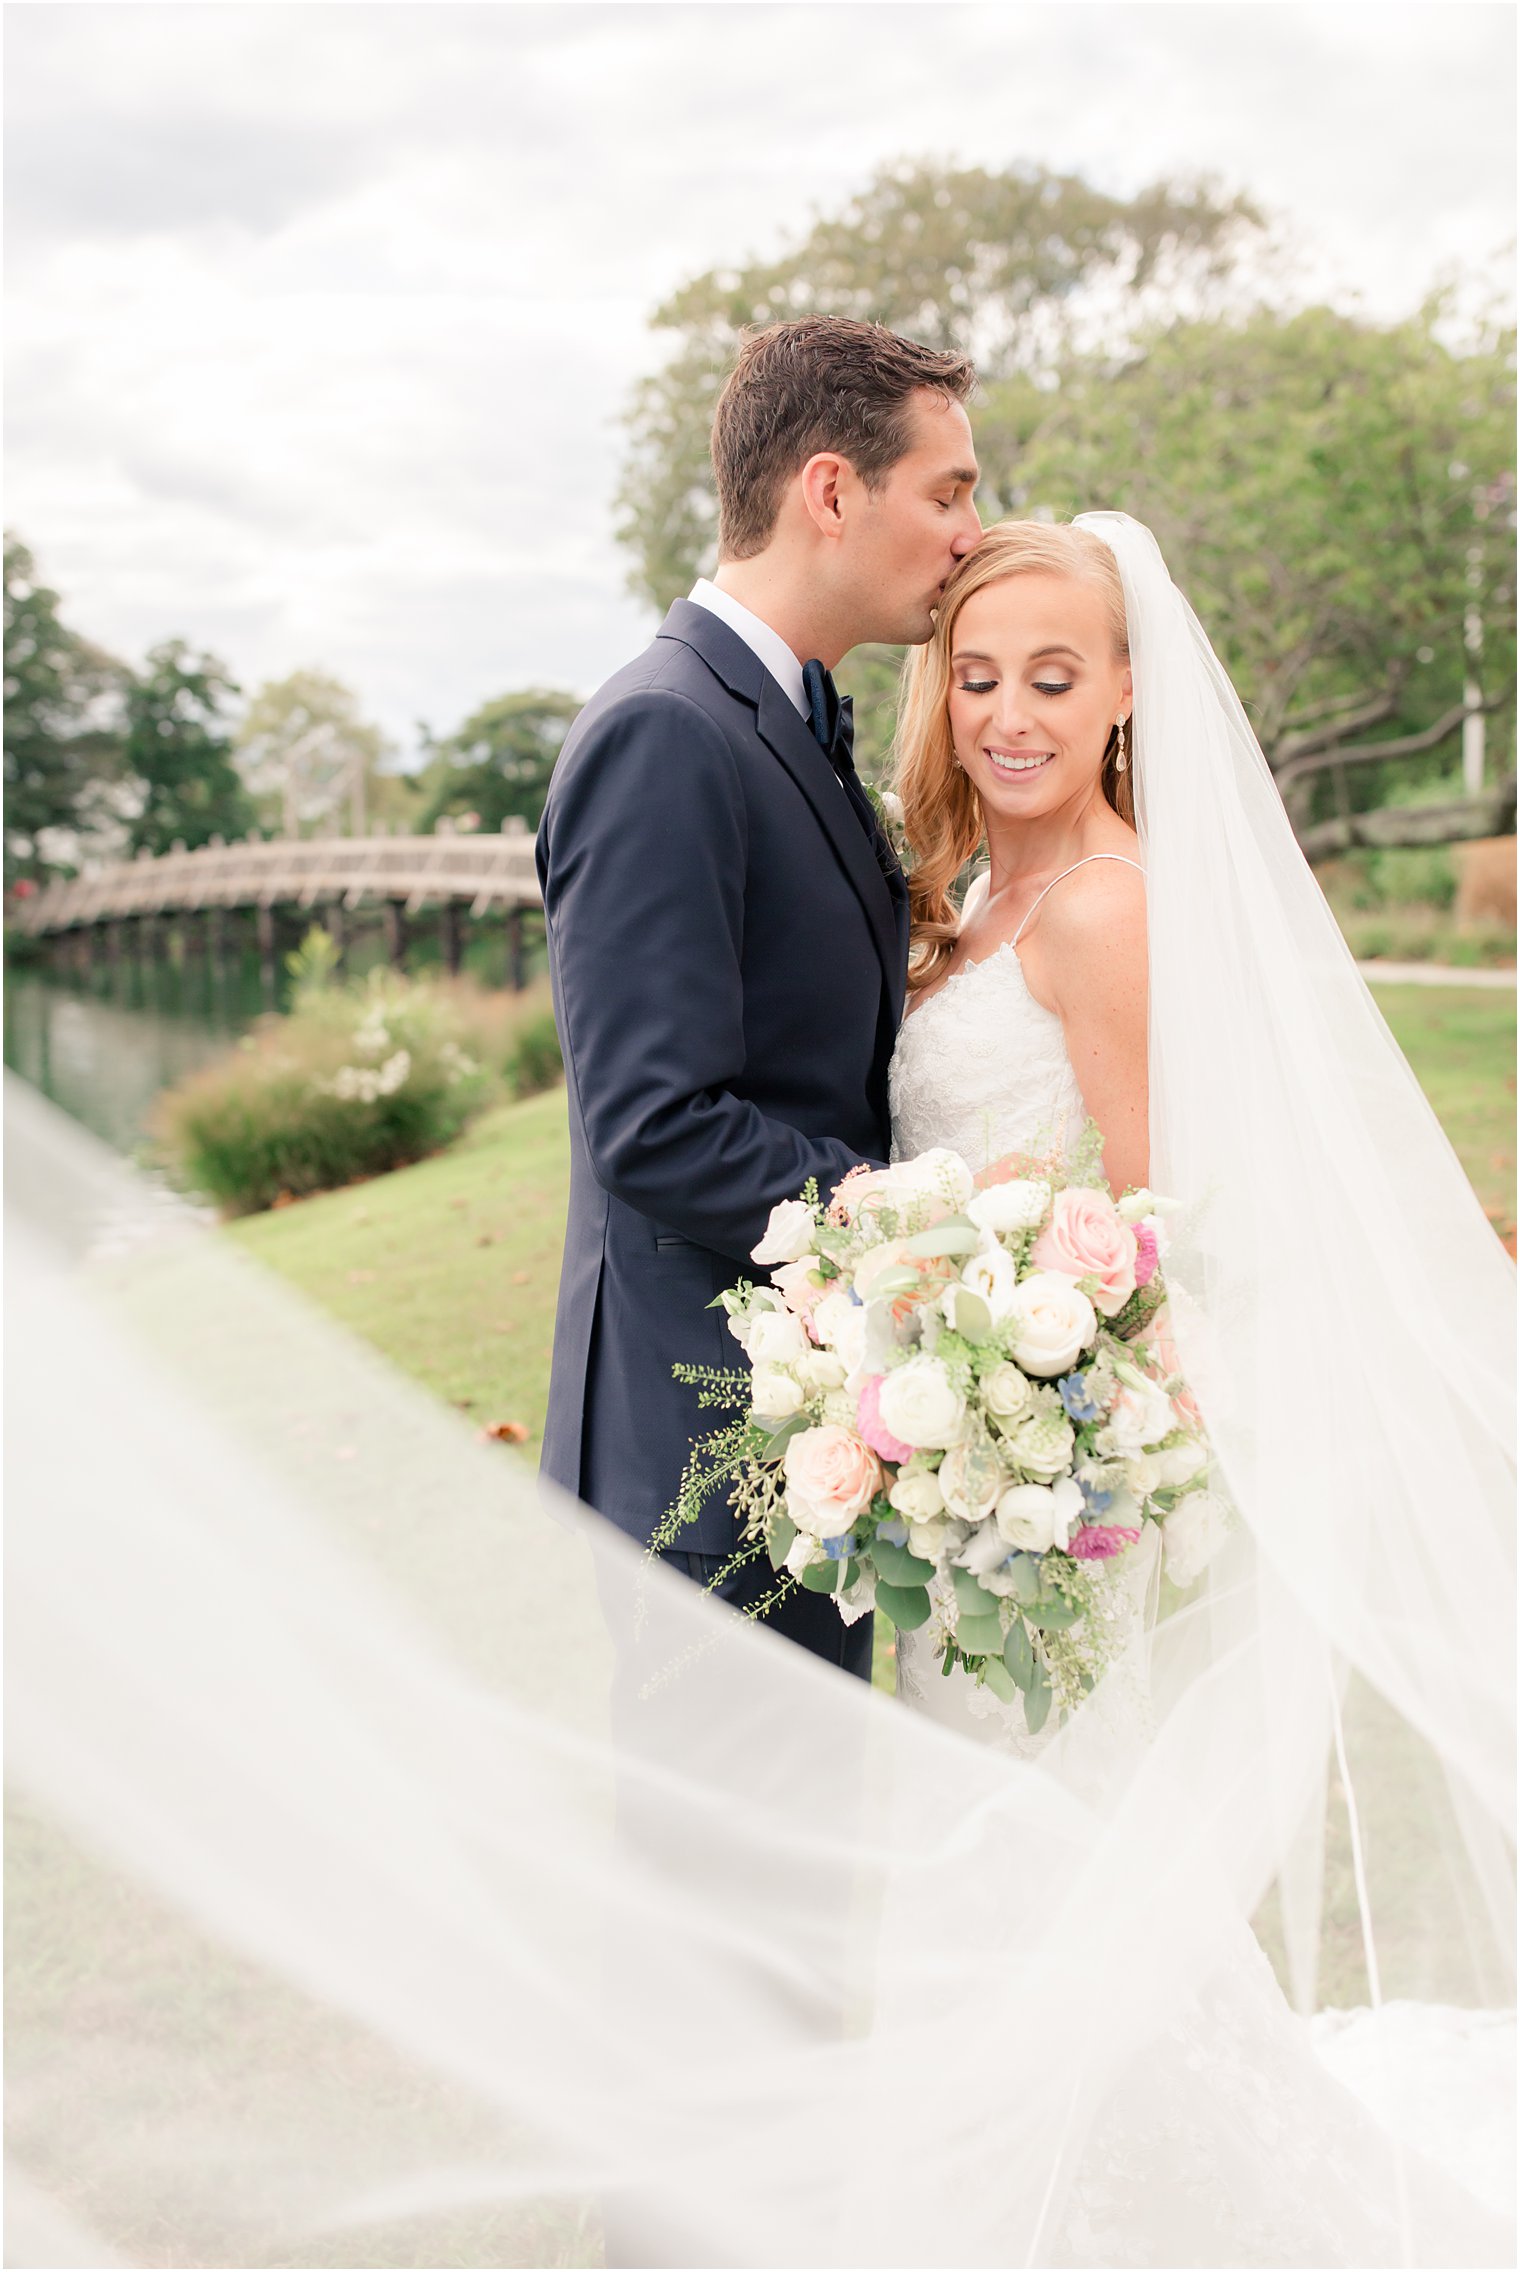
1121,755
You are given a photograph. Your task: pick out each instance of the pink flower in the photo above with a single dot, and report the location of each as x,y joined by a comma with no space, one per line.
1086,1238
869,1421
1099,1542
831,1477
1147,1254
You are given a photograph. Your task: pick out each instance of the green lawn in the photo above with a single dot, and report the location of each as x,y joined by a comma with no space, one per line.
1461,1043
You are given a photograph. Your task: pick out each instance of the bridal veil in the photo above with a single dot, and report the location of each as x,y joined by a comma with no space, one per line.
368,1906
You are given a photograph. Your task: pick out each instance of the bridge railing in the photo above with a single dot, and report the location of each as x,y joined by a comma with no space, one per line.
480,872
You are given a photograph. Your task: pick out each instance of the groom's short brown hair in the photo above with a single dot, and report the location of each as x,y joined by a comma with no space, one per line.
819,383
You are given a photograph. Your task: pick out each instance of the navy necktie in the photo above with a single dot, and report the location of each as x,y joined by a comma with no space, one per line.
831,716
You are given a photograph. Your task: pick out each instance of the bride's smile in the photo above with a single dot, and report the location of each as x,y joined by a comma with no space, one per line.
1034,693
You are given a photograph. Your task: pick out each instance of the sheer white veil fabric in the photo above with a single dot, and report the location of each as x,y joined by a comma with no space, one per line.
402,1872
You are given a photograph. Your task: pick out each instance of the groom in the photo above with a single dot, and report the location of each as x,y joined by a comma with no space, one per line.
727,926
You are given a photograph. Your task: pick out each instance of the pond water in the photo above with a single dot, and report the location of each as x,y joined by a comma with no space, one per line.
105,1048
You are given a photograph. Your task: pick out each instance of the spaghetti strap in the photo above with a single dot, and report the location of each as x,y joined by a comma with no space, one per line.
1121,857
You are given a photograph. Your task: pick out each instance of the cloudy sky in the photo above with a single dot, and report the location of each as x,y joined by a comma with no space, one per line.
321,316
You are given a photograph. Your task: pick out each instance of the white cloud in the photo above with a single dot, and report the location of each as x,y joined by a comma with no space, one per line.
322,315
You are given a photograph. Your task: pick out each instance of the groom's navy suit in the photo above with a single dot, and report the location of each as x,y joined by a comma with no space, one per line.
728,946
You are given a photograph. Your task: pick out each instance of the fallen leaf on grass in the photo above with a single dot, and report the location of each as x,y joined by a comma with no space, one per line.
361,1277
464,1403
486,1238
521,1277
505,1432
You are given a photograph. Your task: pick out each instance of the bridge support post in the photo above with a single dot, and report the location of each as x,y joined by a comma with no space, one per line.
214,938
264,930
451,935
517,953
395,931
337,930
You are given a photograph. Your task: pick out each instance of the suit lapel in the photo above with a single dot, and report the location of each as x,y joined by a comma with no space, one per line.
877,881
783,731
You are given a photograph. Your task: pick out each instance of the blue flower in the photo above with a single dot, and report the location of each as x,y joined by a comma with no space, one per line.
1098,1502
894,1531
1079,1405
838,1548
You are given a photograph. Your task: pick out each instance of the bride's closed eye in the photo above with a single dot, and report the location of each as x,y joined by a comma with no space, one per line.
977,685
1042,686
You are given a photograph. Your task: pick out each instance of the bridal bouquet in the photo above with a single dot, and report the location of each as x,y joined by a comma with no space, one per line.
959,1407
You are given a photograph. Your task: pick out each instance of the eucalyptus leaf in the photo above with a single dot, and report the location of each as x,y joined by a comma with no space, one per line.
897,1566
895,1282
1028,1585
1037,1701
972,1598
995,1674
1018,1653
970,1316
954,1236
777,1438
821,1577
979,1636
906,1606
1053,1616
779,1533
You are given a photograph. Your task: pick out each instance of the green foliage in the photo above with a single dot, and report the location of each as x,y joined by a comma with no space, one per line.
1330,493
63,737
356,1080
534,1060
952,256
497,766
313,966
178,753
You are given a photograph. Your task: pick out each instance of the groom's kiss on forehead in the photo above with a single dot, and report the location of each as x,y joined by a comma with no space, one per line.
845,473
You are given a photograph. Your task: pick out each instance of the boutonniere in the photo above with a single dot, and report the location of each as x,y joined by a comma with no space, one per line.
888,808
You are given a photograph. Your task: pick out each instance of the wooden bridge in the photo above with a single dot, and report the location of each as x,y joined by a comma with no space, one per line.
136,905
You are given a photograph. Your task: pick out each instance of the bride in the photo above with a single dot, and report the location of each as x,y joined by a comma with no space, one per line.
315,1870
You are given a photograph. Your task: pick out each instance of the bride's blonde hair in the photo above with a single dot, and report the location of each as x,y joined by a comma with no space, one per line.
942,817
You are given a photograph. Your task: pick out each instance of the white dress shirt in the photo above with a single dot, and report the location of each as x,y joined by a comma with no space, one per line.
769,645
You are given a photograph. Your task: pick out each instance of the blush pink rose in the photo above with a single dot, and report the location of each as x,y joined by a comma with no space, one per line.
869,1421
1147,1254
1086,1238
1099,1542
831,1477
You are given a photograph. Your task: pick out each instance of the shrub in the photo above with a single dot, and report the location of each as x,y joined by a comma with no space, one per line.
534,1060
354,1081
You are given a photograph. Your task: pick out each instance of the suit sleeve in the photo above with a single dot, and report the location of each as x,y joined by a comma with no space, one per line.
642,856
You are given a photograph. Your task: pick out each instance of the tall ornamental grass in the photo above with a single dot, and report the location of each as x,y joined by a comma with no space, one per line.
354,1080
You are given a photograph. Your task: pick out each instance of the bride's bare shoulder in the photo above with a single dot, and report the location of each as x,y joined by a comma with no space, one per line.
1098,909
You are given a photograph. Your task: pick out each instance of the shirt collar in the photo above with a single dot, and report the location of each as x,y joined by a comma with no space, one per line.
758,636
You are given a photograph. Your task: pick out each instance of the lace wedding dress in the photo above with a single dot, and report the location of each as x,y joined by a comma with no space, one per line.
1230,2141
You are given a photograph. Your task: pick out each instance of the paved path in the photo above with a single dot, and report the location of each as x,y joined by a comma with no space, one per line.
1432,974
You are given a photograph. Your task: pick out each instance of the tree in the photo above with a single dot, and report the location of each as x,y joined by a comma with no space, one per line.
306,754
1010,266
179,752
499,762
63,729
1331,494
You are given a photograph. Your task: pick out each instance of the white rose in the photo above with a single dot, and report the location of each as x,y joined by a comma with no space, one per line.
1192,1535
992,1275
919,1405
1143,1474
1035,1517
1006,1391
775,1338
928,1540
970,1479
774,1395
1042,1445
1180,1463
943,1174
918,1497
788,1235
880,1191
1140,1415
841,1325
1052,1322
821,1370
1021,1205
